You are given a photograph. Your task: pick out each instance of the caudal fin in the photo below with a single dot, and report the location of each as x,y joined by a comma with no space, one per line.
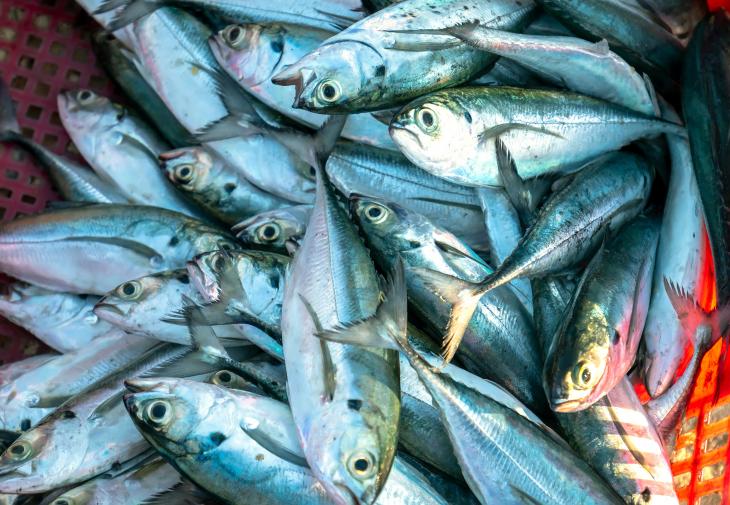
463,296
130,11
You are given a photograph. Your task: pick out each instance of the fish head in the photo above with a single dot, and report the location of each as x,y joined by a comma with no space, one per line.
270,229
45,455
190,169
172,413
433,131
352,463
207,270
390,229
249,52
337,77
576,375
83,111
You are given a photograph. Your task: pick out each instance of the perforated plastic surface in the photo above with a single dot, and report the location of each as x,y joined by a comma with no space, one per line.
44,48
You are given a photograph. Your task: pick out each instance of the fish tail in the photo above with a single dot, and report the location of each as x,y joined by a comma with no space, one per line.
131,11
9,127
463,296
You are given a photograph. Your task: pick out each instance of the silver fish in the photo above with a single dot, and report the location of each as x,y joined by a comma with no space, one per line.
274,229
385,59
63,321
597,342
454,133
36,393
383,174
567,229
121,148
102,245
679,257
11,371
253,54
238,445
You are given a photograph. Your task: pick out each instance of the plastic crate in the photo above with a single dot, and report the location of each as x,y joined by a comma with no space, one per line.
44,48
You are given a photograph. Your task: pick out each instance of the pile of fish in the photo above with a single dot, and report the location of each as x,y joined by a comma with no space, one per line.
410,253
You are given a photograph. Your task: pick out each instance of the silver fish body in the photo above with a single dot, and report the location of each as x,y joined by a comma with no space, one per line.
28,398
382,174
597,342
102,245
63,321
121,148
11,371
244,447
274,229
552,294
385,59
452,133
253,54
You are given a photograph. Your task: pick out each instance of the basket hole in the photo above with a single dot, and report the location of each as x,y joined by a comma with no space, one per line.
49,69
34,180
71,149
8,34
5,193
29,199
12,174
16,14
27,131
718,413
42,89
34,112
97,82
48,2
683,453
714,443
55,118
33,41
49,140
73,75
18,82
64,28
682,480
688,425
42,21
2,213
57,49
26,62
80,54
712,471
710,499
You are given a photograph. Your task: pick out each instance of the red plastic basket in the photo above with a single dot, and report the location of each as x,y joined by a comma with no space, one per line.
44,48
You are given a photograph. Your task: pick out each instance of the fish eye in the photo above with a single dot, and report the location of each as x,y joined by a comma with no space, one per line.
223,377
362,465
329,91
584,374
19,450
158,412
63,501
427,120
234,35
268,232
224,245
85,97
184,173
312,172
375,213
130,290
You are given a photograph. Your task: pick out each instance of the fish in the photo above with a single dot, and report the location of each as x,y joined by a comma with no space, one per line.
384,61
567,229
276,230
216,186
72,180
588,68
105,19
331,15
632,32
12,370
499,343
217,436
141,483
599,337
102,245
345,400
363,170
30,397
119,63
140,306
705,85
252,54
172,35
551,294
454,133
63,321
508,73
504,456
705,328
121,148
680,254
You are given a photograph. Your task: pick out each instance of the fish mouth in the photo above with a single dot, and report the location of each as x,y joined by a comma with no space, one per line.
300,78
205,286
102,308
348,495
565,405
398,127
